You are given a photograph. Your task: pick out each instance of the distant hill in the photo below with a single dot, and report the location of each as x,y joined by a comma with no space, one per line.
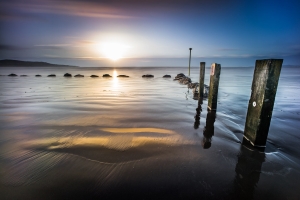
19,63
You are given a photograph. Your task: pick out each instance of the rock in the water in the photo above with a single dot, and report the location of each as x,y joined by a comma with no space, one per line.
94,76
205,90
167,76
23,75
123,76
67,75
52,75
185,80
13,75
79,75
179,75
38,75
106,75
148,76
193,85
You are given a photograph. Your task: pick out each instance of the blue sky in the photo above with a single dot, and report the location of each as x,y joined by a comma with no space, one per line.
150,32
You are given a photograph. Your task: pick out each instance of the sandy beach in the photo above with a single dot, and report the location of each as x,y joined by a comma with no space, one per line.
142,138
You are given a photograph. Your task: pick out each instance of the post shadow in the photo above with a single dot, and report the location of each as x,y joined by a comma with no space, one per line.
209,129
248,169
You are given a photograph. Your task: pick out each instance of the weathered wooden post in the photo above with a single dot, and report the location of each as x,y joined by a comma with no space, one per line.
260,106
215,72
201,79
190,60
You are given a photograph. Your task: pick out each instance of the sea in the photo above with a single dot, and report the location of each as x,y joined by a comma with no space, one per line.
142,138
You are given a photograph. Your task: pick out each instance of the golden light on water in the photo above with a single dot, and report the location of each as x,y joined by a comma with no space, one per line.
120,139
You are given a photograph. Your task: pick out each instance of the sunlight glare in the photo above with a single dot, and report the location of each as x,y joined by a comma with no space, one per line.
113,51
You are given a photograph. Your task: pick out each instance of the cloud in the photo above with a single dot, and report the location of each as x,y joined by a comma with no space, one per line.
15,8
113,9
74,57
227,49
5,47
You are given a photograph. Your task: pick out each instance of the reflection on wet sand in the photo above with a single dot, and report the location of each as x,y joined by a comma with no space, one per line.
248,169
198,113
209,129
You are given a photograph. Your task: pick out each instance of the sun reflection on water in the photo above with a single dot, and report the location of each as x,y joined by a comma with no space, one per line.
115,80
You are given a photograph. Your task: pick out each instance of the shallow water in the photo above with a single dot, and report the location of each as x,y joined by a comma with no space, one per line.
137,138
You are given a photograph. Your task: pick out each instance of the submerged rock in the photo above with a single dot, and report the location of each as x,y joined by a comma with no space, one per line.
12,75
38,75
94,76
23,75
79,75
185,80
205,91
167,76
123,76
106,75
52,75
179,76
67,75
193,85
148,76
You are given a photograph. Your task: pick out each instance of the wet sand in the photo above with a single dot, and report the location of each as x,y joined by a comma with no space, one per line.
137,138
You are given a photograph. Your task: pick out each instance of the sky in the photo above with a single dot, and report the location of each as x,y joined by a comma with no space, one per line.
103,33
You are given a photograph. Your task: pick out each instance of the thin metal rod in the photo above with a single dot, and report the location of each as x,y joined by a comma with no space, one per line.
190,61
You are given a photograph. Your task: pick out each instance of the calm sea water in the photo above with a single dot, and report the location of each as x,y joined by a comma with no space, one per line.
137,138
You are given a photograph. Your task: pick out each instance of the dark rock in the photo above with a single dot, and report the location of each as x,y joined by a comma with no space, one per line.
37,75
79,75
94,76
106,75
185,80
205,91
23,75
193,85
123,76
67,75
167,76
52,75
13,75
179,75
148,76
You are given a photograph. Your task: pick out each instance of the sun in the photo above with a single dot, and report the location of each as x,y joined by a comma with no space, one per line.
113,51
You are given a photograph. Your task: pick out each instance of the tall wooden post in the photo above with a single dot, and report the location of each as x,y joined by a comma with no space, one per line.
260,106
213,86
201,79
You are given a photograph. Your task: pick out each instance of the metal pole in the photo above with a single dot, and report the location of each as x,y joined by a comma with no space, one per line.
190,61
